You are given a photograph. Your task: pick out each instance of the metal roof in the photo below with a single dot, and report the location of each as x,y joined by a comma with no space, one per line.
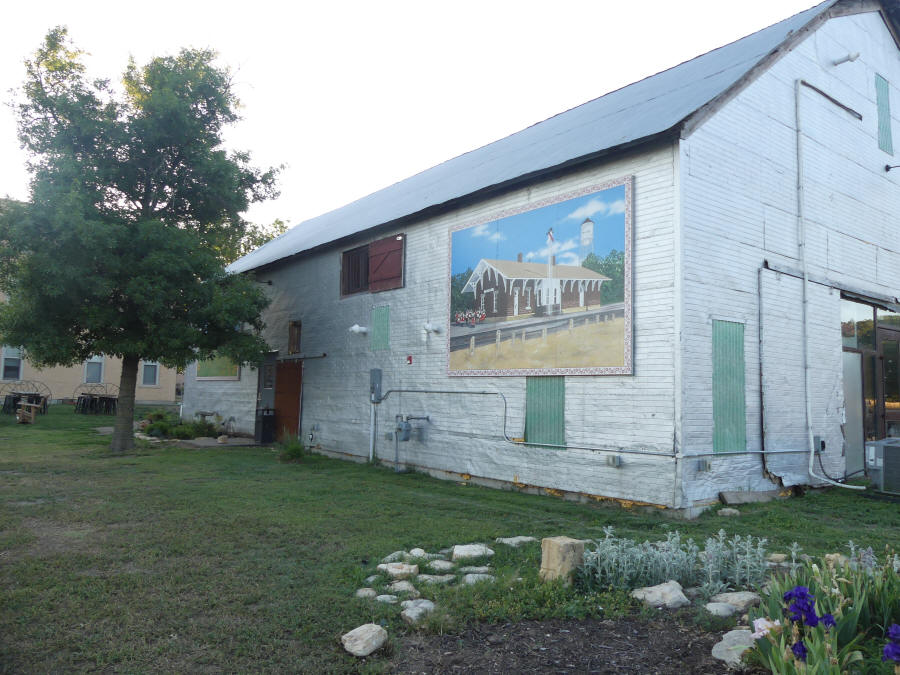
638,111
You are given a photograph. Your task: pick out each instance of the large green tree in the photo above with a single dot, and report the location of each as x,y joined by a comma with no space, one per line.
135,207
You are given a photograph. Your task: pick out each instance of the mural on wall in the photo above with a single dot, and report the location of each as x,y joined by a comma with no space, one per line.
218,368
545,290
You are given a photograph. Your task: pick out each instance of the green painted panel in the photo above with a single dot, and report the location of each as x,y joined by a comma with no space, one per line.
545,410
883,101
729,404
380,332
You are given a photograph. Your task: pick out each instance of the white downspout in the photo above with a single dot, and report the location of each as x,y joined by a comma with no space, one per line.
801,244
371,431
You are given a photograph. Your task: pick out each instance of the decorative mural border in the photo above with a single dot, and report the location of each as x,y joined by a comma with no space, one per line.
628,367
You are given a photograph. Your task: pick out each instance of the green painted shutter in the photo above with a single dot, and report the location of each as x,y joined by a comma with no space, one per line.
380,331
545,410
883,101
729,405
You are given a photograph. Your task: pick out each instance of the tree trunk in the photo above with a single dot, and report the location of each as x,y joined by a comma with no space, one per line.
123,432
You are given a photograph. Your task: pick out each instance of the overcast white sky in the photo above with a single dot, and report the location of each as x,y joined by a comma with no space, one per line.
354,96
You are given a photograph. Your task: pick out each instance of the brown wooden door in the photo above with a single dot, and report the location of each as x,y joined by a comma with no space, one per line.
288,381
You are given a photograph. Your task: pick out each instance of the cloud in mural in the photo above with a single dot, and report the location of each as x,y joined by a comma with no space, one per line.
483,231
597,207
480,230
558,247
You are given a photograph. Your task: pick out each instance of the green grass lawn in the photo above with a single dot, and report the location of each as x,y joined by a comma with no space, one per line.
225,559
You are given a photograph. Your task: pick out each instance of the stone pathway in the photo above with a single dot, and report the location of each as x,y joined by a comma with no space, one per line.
400,571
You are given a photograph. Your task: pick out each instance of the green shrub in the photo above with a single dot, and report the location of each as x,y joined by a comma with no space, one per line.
170,426
290,448
160,429
618,563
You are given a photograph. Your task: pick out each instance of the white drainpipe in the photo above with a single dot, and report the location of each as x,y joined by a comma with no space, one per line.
801,243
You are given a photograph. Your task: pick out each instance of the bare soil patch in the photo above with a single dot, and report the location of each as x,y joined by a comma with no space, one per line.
52,538
562,646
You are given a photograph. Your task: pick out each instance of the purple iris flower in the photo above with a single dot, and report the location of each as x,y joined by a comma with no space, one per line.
797,593
803,606
829,621
891,652
800,650
894,633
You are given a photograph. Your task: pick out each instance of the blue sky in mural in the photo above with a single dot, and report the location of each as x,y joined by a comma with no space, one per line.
526,233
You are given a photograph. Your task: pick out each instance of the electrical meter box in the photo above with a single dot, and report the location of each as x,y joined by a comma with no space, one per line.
375,384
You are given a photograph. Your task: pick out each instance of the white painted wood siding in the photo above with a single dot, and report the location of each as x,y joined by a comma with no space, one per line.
740,207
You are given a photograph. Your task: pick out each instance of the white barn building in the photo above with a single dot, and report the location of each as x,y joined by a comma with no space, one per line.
762,285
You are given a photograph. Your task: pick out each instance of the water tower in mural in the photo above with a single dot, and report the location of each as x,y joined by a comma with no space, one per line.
587,239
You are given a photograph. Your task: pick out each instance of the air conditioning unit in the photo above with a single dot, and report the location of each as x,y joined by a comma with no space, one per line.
883,464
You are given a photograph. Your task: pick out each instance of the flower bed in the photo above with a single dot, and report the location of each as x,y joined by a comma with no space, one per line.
840,617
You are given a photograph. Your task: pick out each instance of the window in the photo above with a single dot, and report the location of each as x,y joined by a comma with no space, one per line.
12,363
729,404
150,374
294,337
93,370
375,267
883,103
355,270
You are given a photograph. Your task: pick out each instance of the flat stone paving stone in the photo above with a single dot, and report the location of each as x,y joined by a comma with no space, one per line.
732,645
484,569
416,610
515,542
366,593
668,595
441,565
403,586
394,557
364,640
436,578
387,599
470,579
465,551
741,600
398,570
720,608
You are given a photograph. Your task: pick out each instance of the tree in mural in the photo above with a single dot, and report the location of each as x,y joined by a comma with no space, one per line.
135,207
612,266
459,301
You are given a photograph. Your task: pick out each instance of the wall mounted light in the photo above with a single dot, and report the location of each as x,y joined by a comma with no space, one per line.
356,329
428,328
846,59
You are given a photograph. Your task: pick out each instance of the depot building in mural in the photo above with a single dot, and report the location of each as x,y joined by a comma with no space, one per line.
685,287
